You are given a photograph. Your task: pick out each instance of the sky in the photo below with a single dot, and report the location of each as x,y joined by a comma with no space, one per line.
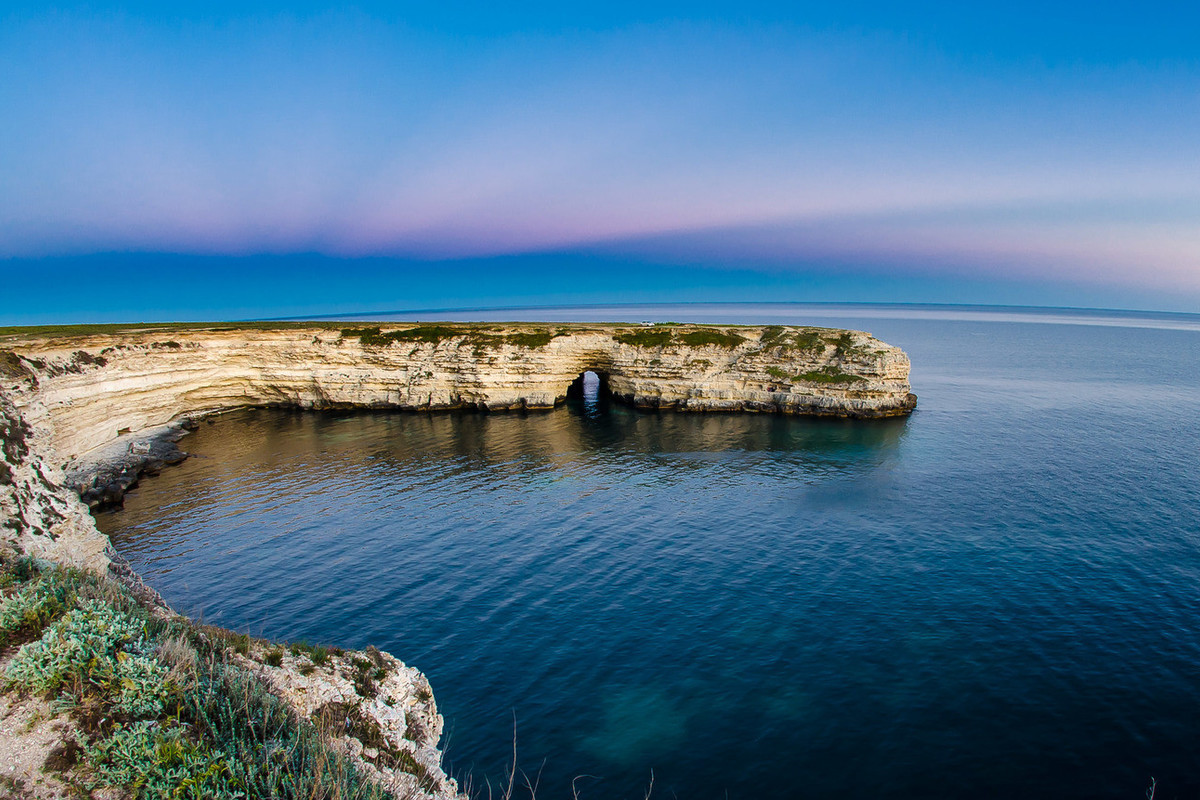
221,160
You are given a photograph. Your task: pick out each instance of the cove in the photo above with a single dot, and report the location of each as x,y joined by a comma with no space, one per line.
992,597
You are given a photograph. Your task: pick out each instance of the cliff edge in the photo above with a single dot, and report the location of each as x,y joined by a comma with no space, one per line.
86,390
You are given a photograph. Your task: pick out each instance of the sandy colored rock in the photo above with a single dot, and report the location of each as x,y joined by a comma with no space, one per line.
88,391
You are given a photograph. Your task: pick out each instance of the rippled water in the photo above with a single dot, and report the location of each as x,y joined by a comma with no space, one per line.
994,598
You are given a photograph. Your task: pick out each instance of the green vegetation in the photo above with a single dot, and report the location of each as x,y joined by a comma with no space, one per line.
661,335
317,654
163,707
809,339
433,334
367,675
373,337
846,347
806,339
645,337
701,338
777,373
30,608
414,731
334,718
771,334
160,763
828,375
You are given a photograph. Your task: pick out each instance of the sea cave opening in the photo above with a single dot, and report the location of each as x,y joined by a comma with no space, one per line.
590,389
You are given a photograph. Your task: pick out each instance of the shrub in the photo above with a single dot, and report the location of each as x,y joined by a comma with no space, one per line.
141,686
771,334
374,337
274,755
532,339
809,340
702,338
846,347
828,375
161,762
216,732
178,654
318,654
31,608
368,336
80,648
366,676
414,731
647,337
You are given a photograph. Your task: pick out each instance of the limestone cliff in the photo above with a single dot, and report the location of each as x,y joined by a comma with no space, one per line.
370,706
92,389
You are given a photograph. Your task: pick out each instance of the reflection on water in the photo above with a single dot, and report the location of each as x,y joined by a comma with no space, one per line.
995,597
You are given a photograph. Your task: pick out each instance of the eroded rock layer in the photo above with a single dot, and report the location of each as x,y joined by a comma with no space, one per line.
92,389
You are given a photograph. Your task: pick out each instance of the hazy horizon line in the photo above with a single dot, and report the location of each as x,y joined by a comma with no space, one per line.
362,316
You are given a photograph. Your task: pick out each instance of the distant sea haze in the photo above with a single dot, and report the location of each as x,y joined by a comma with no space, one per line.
992,598
787,313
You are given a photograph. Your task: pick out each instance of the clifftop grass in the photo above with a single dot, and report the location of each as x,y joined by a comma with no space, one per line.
163,708
434,334
660,336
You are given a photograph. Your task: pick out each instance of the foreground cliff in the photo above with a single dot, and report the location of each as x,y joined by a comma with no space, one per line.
105,692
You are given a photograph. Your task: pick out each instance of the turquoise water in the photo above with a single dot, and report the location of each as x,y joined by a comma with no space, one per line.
996,597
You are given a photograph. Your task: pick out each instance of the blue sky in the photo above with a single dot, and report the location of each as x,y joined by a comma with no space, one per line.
228,160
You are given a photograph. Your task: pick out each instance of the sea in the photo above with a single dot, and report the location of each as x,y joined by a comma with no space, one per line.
996,597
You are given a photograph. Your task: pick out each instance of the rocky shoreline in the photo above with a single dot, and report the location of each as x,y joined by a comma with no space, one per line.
370,707
85,416
102,482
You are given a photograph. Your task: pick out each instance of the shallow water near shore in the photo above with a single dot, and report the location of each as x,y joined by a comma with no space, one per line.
995,597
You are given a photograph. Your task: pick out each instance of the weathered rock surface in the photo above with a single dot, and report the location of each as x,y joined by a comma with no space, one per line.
92,390
39,515
377,710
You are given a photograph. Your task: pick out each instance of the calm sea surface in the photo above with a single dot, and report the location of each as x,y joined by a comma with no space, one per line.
997,597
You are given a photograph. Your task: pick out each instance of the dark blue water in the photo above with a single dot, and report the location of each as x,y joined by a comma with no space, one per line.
997,597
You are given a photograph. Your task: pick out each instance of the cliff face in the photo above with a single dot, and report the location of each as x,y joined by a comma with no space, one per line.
39,516
370,706
91,389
